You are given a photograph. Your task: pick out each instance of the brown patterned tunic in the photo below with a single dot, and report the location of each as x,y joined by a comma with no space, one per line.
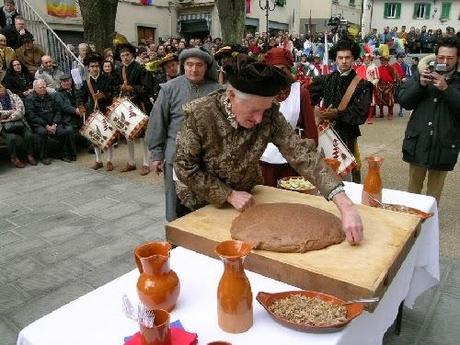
213,157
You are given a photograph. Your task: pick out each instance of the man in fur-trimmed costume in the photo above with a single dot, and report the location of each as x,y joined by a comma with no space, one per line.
331,88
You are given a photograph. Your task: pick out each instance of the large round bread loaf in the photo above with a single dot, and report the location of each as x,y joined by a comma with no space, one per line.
286,227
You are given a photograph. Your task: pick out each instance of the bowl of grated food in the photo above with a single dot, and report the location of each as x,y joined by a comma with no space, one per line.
309,311
298,184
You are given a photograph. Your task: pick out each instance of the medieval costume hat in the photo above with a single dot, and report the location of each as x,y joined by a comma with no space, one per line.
93,57
279,56
230,50
202,54
126,47
167,58
255,78
27,37
345,45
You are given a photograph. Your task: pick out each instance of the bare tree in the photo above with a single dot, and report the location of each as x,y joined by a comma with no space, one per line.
232,19
99,21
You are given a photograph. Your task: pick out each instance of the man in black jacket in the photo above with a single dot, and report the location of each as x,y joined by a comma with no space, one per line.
44,114
432,139
7,14
331,88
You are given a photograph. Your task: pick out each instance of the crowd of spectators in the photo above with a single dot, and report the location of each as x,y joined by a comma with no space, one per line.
39,100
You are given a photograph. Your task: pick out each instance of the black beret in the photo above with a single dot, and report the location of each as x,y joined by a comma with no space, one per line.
256,78
27,37
93,57
345,44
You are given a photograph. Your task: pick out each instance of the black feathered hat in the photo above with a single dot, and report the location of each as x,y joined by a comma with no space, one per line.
255,78
92,58
345,45
126,47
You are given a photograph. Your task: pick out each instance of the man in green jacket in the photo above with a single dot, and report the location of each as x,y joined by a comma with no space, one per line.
432,139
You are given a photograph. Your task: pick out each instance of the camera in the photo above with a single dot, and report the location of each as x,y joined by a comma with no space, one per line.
437,67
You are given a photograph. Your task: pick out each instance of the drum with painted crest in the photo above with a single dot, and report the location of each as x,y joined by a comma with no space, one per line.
127,118
99,130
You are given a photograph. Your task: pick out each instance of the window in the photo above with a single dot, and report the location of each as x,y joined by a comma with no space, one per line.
392,10
422,10
445,10
351,2
280,2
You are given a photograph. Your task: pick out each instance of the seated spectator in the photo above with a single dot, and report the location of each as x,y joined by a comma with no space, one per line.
17,79
7,14
29,54
50,73
68,101
14,33
43,112
7,54
13,127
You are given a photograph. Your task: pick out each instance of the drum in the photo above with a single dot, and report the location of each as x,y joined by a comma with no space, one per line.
99,130
330,144
127,118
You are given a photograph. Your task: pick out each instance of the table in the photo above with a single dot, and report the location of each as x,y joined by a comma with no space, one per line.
97,317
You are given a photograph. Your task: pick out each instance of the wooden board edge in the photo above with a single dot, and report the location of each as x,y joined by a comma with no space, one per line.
296,276
384,282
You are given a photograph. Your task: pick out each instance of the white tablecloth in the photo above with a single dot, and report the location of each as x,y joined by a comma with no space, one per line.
97,317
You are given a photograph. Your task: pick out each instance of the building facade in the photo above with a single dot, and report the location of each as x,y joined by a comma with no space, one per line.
172,18
417,13
315,15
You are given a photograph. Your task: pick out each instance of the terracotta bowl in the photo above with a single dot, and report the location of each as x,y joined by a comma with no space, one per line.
403,209
313,191
267,299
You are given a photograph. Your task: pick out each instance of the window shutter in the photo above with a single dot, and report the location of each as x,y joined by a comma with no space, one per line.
385,10
398,10
445,12
427,11
414,15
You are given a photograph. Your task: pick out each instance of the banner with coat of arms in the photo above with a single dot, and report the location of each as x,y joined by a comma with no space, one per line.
62,8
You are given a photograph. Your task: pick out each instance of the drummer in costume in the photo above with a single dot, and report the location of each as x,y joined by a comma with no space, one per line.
198,78
332,88
370,72
297,110
97,93
136,84
224,135
386,85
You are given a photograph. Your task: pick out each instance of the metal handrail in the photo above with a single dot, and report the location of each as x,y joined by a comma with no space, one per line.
46,37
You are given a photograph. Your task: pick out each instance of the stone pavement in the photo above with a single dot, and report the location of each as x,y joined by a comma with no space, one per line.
66,229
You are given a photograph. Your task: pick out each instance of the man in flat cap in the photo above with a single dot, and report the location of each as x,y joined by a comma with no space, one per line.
29,54
225,134
198,78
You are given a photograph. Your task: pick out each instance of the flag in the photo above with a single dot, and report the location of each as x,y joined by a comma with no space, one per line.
62,8
325,67
248,6
146,2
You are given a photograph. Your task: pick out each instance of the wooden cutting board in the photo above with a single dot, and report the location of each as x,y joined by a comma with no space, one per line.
343,270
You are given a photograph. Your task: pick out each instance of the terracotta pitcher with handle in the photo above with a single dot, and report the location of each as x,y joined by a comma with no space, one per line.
157,286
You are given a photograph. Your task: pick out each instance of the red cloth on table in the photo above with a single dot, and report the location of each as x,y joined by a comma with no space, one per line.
178,337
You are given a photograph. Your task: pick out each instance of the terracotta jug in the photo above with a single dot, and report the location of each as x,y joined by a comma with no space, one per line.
158,286
234,296
372,189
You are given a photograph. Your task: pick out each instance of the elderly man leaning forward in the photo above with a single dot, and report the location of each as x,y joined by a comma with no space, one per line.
199,77
225,134
44,114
